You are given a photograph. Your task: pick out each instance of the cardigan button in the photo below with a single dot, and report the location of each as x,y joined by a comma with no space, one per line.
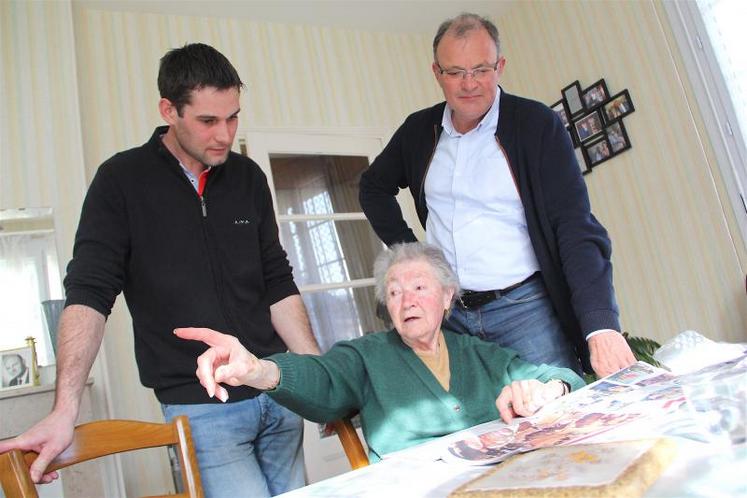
457,408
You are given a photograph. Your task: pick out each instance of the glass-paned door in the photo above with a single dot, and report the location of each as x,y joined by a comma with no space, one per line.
330,245
329,242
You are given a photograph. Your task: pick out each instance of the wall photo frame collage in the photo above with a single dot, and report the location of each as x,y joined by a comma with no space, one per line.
594,121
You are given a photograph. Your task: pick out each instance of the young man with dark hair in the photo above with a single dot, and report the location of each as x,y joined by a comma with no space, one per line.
186,229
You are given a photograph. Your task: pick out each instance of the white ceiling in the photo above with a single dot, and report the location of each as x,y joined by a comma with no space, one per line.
407,16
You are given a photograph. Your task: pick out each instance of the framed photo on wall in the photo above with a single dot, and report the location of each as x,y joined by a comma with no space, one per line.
581,159
595,95
18,368
559,108
572,96
597,152
617,137
588,126
618,106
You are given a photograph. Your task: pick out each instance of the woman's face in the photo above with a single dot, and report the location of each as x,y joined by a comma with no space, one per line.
416,302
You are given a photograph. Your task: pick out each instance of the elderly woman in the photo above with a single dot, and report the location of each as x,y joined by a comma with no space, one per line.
411,384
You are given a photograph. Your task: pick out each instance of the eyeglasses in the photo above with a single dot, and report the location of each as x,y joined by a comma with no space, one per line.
479,73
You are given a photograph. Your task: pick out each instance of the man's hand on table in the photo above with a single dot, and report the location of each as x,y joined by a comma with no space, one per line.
609,353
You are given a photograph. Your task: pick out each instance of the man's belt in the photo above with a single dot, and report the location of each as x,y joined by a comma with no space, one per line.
474,299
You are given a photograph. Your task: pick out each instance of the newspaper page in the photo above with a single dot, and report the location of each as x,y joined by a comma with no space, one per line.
640,400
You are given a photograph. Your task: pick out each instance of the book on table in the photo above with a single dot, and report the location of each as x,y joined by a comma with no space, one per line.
602,470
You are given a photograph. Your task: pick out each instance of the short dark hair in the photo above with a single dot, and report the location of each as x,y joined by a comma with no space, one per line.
194,67
461,25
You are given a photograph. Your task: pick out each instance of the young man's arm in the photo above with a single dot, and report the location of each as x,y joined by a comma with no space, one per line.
291,322
80,332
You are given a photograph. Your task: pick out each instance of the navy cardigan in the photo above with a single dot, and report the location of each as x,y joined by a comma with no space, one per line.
571,246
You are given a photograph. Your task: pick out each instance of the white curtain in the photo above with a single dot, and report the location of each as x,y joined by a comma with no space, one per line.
28,276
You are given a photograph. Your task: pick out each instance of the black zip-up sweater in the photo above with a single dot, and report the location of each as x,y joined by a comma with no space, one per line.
181,261
571,246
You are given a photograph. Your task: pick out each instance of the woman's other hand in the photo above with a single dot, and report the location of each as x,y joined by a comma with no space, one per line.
523,398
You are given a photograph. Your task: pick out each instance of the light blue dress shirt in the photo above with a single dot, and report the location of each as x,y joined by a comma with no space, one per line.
475,214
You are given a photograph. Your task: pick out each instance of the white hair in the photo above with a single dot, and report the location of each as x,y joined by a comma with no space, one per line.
414,251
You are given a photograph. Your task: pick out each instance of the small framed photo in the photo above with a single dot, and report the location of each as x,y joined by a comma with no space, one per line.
617,137
588,126
595,95
583,165
18,368
597,152
559,108
572,96
574,138
618,106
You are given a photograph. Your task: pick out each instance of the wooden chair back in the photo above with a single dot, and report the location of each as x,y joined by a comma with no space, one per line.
106,437
351,443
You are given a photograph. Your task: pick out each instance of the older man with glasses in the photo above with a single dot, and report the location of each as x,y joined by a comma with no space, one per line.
496,185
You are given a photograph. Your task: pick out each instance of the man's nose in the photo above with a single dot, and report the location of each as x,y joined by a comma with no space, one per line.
222,133
469,82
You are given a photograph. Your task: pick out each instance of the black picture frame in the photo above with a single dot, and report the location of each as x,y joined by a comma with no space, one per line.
588,126
573,102
595,95
583,163
574,137
597,151
617,107
561,110
617,136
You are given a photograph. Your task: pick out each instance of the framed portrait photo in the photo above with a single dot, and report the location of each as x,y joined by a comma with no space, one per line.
583,165
618,106
588,126
17,368
559,108
597,152
595,95
572,96
617,137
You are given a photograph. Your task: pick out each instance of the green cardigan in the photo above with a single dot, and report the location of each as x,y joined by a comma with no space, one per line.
400,401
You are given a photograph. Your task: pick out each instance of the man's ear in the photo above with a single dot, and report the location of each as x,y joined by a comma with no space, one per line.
436,70
501,66
168,111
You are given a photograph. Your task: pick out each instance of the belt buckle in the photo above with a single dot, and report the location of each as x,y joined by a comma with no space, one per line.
474,300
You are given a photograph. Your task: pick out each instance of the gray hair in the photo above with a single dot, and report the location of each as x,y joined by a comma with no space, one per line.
414,251
462,24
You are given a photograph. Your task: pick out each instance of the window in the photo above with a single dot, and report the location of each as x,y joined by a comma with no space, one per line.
724,23
711,38
29,274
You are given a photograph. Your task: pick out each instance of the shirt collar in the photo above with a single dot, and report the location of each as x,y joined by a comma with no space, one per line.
489,121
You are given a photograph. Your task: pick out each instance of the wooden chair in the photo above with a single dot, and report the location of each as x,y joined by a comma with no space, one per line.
106,437
351,443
